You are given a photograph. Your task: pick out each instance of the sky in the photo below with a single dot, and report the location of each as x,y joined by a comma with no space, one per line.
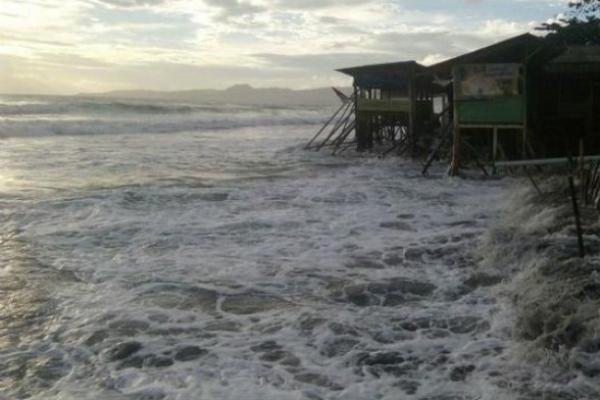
79,46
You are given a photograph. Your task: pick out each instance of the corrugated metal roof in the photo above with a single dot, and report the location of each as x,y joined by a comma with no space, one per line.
391,75
578,54
400,68
514,49
576,59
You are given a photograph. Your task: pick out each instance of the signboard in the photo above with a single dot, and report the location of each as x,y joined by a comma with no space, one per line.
475,81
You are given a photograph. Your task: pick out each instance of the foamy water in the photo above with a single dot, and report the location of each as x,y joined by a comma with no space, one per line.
191,262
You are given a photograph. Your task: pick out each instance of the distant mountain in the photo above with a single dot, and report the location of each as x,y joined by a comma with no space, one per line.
238,94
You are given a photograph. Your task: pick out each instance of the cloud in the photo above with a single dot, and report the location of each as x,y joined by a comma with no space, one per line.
325,62
132,3
314,4
234,8
179,44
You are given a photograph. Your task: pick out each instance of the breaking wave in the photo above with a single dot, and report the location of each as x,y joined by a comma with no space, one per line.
70,105
25,117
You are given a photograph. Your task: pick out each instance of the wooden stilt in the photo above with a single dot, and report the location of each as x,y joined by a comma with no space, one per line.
412,139
347,131
325,126
494,149
537,188
455,165
475,158
396,145
577,218
434,154
340,123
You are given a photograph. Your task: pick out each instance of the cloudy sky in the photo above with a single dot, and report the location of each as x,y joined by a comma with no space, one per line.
71,46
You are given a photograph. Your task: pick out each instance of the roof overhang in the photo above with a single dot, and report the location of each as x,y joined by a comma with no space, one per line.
577,60
514,50
394,75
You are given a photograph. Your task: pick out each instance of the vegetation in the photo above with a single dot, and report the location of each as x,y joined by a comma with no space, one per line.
580,24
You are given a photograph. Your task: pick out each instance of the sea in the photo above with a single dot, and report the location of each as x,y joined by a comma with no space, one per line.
157,250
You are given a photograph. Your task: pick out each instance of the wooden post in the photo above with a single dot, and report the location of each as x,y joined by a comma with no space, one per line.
581,159
525,111
494,150
411,117
359,130
325,126
581,166
348,110
537,188
455,166
577,217
524,138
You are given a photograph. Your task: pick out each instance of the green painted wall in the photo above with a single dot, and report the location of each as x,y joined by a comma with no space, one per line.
496,110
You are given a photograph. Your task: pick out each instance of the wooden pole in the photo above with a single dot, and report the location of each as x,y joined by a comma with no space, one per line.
577,217
580,167
525,111
581,159
357,118
340,123
411,117
394,147
494,150
455,166
437,149
475,158
325,126
595,184
347,131
537,188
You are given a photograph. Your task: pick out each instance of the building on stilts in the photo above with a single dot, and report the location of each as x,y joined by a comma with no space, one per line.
390,108
518,100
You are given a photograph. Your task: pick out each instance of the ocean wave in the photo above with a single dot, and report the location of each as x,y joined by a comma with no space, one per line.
107,107
31,127
100,106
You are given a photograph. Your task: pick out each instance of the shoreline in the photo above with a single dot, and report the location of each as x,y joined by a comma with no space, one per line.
550,296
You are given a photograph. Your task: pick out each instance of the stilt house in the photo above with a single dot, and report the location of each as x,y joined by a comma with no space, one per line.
566,101
524,98
490,99
393,103
515,100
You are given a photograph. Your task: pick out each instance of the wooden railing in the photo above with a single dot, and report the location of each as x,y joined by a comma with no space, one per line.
398,105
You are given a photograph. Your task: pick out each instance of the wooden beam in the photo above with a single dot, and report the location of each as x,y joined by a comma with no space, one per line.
455,166
412,140
325,126
544,161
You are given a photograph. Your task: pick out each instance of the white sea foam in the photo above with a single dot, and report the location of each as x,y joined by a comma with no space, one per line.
296,275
